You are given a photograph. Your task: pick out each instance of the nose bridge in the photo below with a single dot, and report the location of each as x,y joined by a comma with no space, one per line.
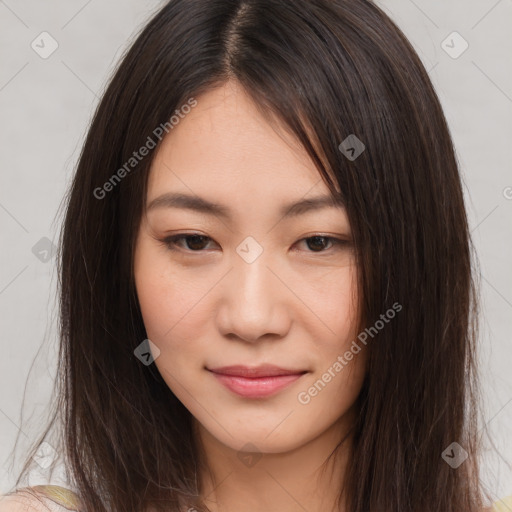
251,272
253,280
253,298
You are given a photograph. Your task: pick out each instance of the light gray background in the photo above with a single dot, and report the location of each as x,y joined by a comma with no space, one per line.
46,105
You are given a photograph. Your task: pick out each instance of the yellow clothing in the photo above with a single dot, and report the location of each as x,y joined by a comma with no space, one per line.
60,495
61,499
55,497
504,505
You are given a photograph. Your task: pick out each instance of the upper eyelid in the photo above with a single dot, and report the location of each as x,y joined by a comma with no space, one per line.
335,240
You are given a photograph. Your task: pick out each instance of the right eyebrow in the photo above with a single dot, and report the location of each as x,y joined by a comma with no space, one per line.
189,202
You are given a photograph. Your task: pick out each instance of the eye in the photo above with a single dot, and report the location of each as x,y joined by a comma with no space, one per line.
194,242
318,243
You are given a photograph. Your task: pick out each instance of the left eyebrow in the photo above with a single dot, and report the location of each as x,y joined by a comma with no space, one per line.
309,205
202,205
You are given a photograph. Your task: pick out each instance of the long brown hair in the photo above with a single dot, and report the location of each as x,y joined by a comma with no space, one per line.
326,69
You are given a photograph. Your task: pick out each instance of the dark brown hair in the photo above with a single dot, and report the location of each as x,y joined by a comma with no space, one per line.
325,69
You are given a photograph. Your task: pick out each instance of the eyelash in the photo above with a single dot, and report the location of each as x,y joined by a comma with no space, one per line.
170,242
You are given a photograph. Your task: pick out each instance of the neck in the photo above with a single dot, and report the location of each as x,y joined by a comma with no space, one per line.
304,478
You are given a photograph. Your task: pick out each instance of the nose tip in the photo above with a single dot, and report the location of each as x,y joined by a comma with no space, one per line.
250,322
253,305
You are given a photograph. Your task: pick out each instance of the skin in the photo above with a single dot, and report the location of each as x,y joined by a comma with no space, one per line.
293,306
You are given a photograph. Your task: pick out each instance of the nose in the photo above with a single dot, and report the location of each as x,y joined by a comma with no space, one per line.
255,302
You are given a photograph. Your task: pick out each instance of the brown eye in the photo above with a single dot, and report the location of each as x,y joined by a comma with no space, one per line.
317,243
321,244
193,242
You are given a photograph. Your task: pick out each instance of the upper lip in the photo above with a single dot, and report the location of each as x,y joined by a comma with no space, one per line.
264,370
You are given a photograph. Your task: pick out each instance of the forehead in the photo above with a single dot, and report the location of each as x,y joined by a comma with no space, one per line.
224,148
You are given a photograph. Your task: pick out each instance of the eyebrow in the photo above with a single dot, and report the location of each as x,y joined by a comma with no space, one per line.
202,205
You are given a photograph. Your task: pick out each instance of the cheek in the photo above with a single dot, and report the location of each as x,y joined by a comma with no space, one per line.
164,298
339,301
332,298
341,362
154,298
173,307
170,307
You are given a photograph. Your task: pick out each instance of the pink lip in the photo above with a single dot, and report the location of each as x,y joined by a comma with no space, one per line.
256,382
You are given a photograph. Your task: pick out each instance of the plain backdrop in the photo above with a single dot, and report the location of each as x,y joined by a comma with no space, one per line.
47,101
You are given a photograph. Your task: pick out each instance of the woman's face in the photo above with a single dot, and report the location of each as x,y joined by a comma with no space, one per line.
252,289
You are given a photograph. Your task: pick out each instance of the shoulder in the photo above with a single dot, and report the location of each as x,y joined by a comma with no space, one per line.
40,498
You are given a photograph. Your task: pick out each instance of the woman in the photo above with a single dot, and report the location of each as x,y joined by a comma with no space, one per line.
266,290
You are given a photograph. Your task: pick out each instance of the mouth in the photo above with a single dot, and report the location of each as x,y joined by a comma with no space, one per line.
257,381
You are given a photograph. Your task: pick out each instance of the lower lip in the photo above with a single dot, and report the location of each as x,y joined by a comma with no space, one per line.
256,387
